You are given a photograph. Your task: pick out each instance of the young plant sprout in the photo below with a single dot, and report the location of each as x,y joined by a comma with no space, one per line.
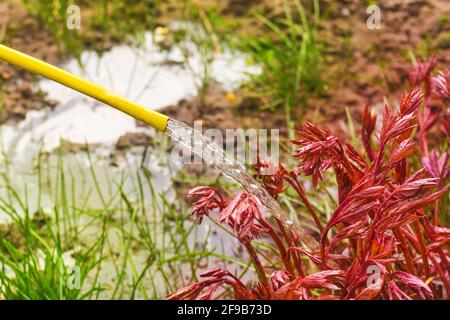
384,240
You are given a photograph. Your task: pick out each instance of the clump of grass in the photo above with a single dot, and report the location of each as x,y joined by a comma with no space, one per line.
102,22
204,28
35,259
53,14
291,59
141,239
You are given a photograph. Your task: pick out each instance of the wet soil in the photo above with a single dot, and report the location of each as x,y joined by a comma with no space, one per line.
370,64
363,65
26,34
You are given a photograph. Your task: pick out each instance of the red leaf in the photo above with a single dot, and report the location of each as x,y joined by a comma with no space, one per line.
415,284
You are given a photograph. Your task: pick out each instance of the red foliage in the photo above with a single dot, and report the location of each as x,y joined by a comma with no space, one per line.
384,240
244,216
208,200
441,85
272,177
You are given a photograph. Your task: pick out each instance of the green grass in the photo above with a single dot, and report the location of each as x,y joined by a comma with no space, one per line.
53,14
134,244
206,31
290,57
288,51
102,22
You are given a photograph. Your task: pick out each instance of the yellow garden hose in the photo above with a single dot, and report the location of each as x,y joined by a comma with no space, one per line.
150,117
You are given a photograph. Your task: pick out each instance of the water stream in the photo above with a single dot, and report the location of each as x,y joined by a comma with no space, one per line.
215,155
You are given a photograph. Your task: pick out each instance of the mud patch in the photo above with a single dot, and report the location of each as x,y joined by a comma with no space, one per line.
363,65
20,32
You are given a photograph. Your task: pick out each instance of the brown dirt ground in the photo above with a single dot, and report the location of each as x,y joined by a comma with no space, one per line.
363,65
378,64
22,32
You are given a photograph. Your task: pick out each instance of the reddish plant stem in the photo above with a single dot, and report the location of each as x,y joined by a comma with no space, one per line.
422,132
404,246
359,244
442,274
294,183
419,245
436,213
279,243
289,240
426,228
423,250
423,143
259,268
444,259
